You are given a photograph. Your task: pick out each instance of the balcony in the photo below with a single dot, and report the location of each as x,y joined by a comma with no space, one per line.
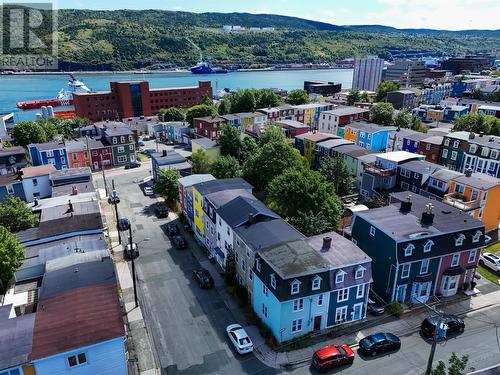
459,201
376,169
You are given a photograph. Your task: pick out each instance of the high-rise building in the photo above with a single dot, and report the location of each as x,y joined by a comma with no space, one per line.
367,73
408,72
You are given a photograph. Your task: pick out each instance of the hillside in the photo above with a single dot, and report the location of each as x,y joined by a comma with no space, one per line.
124,39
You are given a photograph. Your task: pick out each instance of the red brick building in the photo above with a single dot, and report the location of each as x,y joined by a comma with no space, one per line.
431,148
135,98
208,127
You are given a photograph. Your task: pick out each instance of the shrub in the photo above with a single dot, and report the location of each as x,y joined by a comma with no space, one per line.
395,308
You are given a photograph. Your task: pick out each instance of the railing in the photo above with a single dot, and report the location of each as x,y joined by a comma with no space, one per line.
375,169
459,201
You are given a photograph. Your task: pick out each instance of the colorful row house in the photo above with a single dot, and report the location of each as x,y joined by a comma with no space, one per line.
368,135
420,249
333,121
306,144
310,113
430,147
186,193
49,153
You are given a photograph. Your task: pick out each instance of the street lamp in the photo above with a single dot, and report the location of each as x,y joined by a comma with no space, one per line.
131,251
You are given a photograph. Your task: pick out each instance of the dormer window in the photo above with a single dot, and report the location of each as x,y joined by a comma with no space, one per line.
428,246
409,250
459,240
339,277
456,144
273,280
295,286
360,272
476,236
316,283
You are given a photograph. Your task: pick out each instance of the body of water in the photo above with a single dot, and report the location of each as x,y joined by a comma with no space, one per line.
14,88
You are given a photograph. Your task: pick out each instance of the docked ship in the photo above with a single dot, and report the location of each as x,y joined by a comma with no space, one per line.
205,68
64,97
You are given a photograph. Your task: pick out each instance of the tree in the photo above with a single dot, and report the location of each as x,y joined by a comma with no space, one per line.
201,162
403,119
270,161
384,88
337,173
226,167
248,148
224,107
303,190
172,114
494,96
353,97
51,131
207,101
476,123
15,215
27,132
272,134
297,97
382,113
11,257
166,185
364,98
230,141
200,111
267,98
456,366
244,101
310,224
416,124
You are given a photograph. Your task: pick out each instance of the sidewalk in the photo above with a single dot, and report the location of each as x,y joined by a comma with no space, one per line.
140,352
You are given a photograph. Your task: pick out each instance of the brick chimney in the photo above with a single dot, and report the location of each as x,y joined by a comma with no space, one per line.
327,243
427,215
406,204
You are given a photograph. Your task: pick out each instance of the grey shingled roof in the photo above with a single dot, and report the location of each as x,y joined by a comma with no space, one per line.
478,180
421,166
16,338
49,146
235,212
213,186
171,157
446,175
205,143
220,198
369,127
353,150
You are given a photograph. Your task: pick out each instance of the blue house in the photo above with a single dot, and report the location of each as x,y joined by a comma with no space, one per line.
309,285
49,153
454,111
233,120
370,136
414,175
88,131
411,141
11,185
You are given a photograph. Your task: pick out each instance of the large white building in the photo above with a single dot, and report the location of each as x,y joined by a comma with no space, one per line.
367,73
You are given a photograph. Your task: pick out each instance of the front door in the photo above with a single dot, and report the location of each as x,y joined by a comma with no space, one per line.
358,309
96,165
317,323
401,293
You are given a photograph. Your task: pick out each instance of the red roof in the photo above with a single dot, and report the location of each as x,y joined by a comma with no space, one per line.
39,170
76,318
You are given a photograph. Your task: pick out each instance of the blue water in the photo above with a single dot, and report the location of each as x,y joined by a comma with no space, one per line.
14,88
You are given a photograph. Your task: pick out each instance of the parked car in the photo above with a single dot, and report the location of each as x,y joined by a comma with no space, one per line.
179,242
148,190
375,308
141,143
148,151
332,356
172,229
239,338
454,323
491,261
379,343
203,278
132,164
161,211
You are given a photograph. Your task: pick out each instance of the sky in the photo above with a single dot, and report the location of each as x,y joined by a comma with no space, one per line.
435,14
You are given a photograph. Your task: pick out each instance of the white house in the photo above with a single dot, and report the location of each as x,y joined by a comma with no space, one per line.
36,182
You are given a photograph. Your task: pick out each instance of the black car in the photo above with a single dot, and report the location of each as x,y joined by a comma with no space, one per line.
374,308
179,242
172,229
454,323
379,343
132,164
161,211
203,278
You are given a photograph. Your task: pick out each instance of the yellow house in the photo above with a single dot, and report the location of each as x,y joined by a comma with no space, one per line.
310,142
198,213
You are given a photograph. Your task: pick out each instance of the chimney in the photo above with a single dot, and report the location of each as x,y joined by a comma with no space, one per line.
406,205
427,215
250,218
468,172
164,153
74,190
327,243
472,135
481,134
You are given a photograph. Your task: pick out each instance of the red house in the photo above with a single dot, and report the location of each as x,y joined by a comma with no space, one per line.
208,127
100,153
431,148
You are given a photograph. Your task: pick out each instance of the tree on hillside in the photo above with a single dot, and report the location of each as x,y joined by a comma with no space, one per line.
248,148
477,123
224,107
456,366
382,113
353,97
200,111
267,98
230,141
201,162
304,191
167,186
226,167
270,161
403,119
16,215
171,114
384,88
243,101
297,97
27,132
337,173
272,134
11,257
310,224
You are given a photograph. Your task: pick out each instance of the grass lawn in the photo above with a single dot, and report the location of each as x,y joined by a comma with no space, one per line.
486,272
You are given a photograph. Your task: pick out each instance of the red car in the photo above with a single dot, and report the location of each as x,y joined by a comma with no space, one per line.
332,356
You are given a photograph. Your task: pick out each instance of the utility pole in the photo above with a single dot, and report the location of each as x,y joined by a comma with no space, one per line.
104,177
114,200
132,256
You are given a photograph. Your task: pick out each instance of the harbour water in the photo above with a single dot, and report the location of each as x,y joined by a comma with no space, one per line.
14,88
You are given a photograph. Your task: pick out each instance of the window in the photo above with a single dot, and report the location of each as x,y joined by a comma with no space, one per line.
445,153
76,360
121,149
122,159
35,182
343,295
50,154
485,151
296,325
472,256
265,290
494,154
257,264
456,144
14,371
405,271
372,231
453,155
105,152
316,283
295,287
122,139
131,147
472,148
273,280
248,251
339,277
341,314
63,160
115,140
298,304
405,185
130,138
74,157
264,310
360,291
360,272
320,300
94,153
477,236
409,250
424,267
459,240
447,142
428,246
428,147
243,264
455,260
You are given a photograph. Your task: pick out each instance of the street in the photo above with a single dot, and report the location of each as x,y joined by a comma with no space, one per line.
188,324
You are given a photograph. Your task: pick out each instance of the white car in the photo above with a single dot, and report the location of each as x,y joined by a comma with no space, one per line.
490,261
148,190
239,338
